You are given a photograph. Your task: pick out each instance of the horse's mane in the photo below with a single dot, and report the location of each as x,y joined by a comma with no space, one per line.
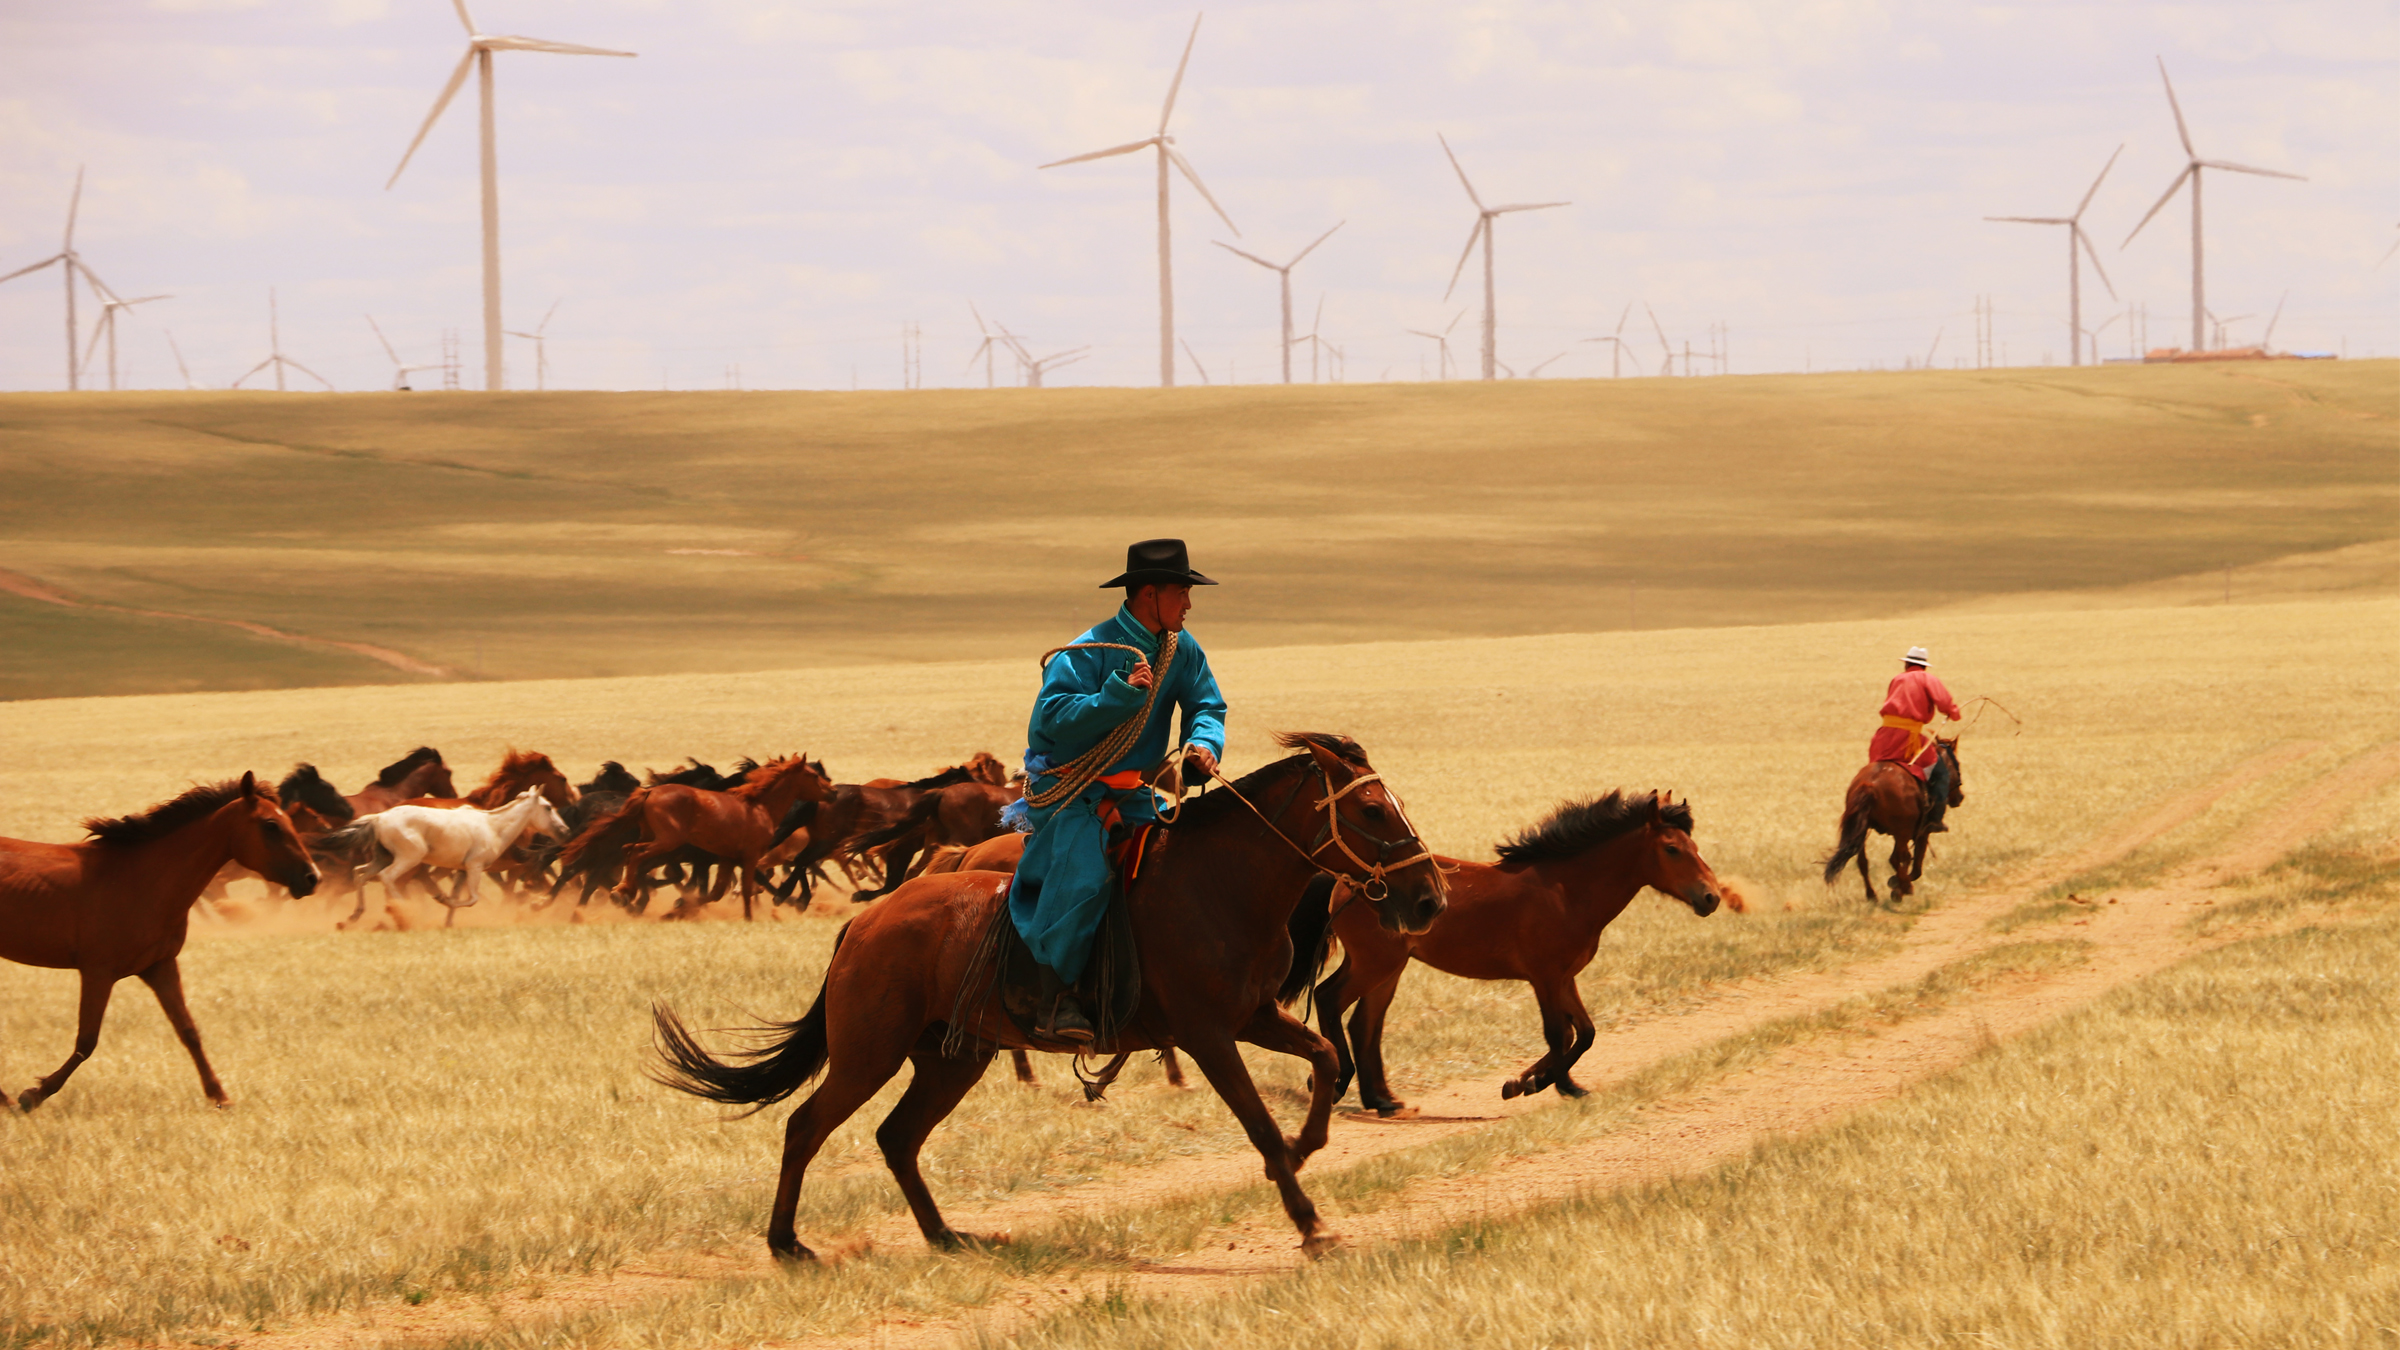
304,786
759,777
695,774
1577,827
956,773
398,770
513,761
198,803
1206,808
613,777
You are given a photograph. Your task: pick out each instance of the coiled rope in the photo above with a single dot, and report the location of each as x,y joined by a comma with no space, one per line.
1072,777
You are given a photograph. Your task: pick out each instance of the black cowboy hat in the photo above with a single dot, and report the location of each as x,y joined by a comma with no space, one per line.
1157,562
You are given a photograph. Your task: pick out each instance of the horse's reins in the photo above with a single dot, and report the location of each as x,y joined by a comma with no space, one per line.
1374,885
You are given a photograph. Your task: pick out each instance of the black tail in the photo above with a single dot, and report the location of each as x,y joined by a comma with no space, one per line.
911,822
1312,937
1854,842
758,1078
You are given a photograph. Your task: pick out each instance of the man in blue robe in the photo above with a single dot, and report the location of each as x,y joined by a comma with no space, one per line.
1089,696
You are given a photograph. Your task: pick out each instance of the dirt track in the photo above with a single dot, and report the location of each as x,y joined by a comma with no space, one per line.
1801,1088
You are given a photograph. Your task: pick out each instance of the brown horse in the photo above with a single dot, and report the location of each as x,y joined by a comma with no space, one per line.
1888,799
1534,916
737,825
962,814
120,903
1229,916
857,809
419,773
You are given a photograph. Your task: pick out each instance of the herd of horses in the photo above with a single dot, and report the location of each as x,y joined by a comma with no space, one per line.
1234,916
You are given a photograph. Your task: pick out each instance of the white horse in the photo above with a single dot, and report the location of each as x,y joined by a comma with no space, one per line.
467,838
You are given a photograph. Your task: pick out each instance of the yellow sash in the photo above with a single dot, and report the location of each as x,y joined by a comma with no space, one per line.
1914,728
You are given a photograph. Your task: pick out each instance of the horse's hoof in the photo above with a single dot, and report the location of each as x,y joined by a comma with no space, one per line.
1512,1089
1317,1244
955,1241
1396,1111
793,1254
32,1098
1568,1087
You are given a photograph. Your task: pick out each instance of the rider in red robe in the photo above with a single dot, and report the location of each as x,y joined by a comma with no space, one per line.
1911,701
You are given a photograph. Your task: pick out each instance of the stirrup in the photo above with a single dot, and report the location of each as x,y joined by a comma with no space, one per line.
1064,1021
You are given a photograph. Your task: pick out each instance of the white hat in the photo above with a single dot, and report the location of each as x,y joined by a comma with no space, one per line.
1917,657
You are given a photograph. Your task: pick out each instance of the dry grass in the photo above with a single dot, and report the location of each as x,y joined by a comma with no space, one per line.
2199,1161
454,1113
580,534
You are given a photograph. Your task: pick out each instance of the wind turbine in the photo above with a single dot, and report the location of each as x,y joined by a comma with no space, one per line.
400,370
2075,236
176,348
1283,271
107,324
989,347
275,356
541,349
1442,337
70,264
1317,346
1165,144
1034,370
480,47
2272,319
2191,170
1666,363
1484,216
1187,351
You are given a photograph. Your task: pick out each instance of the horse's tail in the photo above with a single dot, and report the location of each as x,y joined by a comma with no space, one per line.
1312,937
604,840
757,1079
1855,814
348,846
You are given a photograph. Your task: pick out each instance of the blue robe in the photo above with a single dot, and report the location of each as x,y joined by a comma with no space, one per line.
1061,886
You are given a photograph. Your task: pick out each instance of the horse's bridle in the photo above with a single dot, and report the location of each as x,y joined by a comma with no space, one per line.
1374,884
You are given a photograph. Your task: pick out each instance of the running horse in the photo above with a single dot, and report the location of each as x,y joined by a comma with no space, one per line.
419,773
120,902
1229,916
960,815
1886,798
736,825
1535,916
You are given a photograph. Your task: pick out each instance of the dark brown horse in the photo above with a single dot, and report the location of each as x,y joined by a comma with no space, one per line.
419,773
736,825
856,809
1229,916
1534,916
1888,799
119,903
960,815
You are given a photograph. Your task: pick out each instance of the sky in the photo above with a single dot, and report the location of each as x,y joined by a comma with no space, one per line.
770,192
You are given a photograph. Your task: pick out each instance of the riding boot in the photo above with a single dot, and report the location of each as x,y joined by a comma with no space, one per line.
1937,798
1060,1017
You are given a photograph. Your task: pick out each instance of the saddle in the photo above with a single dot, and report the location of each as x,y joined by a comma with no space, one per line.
1003,971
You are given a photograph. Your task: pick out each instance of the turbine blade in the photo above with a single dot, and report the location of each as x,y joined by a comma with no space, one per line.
526,44
2172,188
1528,206
468,20
1462,173
74,202
1453,324
253,371
91,278
306,371
2269,335
2033,220
1176,87
1658,328
387,342
449,91
1185,166
2245,168
1251,256
128,304
980,325
107,321
2094,255
2087,197
1295,262
55,257
1620,329
514,333
1126,149
544,325
1313,323
1481,223
2188,151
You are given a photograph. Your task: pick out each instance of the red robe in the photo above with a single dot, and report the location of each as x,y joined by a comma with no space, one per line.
1907,706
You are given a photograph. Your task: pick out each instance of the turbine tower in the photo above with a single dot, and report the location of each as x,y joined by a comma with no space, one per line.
2191,169
1484,216
541,349
70,264
107,326
480,47
2075,236
1284,271
1167,154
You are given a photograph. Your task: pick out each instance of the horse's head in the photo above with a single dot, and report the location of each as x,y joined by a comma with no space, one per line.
431,779
535,769
266,842
1947,748
1671,863
985,767
543,817
1367,839
613,777
305,787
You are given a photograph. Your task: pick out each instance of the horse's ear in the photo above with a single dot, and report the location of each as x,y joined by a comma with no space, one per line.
249,784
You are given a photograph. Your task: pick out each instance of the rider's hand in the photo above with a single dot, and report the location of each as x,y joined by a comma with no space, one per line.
1139,676
1201,755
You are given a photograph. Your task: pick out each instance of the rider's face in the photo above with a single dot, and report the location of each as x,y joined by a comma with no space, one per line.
1163,606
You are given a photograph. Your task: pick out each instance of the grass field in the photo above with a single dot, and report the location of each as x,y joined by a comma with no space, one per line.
564,535
448,1115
